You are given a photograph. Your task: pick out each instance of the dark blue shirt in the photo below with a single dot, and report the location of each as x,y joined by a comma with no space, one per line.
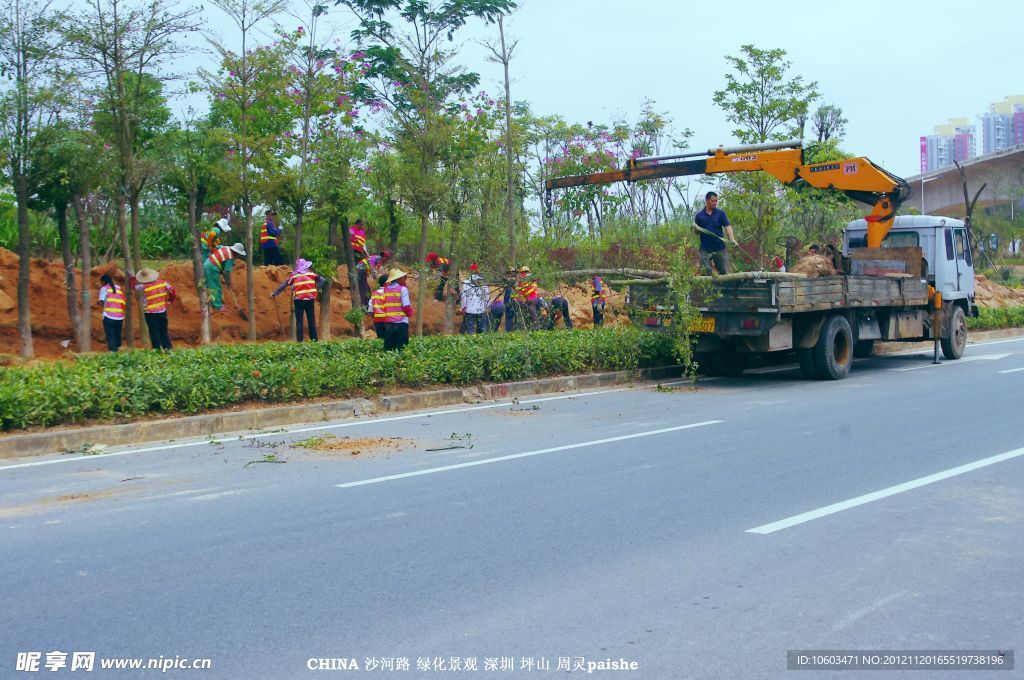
716,223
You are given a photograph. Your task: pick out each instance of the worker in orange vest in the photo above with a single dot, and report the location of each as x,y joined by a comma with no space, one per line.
598,300
305,286
528,294
442,265
270,236
157,296
357,236
396,310
112,300
376,306
220,263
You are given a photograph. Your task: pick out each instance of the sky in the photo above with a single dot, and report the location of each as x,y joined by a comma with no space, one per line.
897,69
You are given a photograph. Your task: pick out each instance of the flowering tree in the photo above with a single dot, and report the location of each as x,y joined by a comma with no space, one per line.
249,107
415,77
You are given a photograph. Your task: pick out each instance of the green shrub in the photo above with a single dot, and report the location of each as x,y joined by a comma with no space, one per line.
132,384
997,317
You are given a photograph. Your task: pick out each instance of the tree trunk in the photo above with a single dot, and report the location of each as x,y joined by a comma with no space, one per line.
510,218
69,271
137,264
324,324
24,253
350,265
85,249
422,283
393,224
250,258
129,272
198,275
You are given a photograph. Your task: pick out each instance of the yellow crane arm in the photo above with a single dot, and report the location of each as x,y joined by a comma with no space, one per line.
858,178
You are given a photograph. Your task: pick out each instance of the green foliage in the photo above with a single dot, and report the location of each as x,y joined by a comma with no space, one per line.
133,384
997,317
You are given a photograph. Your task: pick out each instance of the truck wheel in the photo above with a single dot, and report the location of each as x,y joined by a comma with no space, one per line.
833,352
953,347
863,348
805,357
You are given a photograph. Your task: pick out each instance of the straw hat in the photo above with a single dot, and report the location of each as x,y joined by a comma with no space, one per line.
395,274
524,269
239,248
147,275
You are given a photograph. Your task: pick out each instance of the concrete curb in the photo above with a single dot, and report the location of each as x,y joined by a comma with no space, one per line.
55,441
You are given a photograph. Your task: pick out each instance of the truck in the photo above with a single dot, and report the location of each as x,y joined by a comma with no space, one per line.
900,278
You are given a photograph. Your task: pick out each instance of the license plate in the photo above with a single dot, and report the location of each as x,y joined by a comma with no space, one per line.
704,324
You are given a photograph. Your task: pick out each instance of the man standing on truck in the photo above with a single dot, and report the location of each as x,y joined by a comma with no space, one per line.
716,227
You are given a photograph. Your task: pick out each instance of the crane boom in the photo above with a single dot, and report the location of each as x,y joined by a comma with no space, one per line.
858,178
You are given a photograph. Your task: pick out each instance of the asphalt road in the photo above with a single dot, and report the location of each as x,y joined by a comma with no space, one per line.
694,532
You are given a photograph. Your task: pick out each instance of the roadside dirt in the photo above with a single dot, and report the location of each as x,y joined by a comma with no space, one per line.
330,446
53,336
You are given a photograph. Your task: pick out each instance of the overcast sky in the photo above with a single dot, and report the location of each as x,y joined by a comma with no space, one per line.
896,68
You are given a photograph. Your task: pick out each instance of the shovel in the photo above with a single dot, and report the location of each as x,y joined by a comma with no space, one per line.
238,307
713,234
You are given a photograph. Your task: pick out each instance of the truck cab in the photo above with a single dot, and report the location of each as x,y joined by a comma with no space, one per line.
946,248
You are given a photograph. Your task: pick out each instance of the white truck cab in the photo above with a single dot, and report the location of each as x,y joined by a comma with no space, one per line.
946,246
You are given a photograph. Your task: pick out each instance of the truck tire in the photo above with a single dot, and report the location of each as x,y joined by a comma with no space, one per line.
805,357
953,347
833,352
863,348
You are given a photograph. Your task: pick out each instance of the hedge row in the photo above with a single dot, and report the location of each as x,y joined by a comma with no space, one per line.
129,384
997,317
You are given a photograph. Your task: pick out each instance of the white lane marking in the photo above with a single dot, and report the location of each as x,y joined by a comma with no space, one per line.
211,496
883,493
859,614
538,452
964,360
286,431
1012,370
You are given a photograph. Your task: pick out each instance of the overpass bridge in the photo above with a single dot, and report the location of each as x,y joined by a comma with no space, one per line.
942,190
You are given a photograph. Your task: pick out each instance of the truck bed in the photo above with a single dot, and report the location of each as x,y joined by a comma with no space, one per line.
787,295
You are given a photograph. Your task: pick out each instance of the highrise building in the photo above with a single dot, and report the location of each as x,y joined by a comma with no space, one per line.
1003,125
951,142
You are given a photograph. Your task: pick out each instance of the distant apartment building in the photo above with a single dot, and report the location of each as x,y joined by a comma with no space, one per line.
951,142
1002,126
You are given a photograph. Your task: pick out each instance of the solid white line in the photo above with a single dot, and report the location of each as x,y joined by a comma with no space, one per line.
286,431
884,493
1012,370
514,456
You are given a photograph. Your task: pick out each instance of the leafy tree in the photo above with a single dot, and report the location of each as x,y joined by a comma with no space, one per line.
192,160
829,123
766,104
760,98
250,105
415,77
28,105
123,46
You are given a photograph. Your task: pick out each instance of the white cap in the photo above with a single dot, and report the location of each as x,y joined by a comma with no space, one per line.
223,225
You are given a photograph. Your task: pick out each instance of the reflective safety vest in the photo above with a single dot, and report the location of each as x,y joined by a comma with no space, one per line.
391,305
265,236
358,239
221,255
157,296
303,286
377,305
211,238
598,297
527,290
113,305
